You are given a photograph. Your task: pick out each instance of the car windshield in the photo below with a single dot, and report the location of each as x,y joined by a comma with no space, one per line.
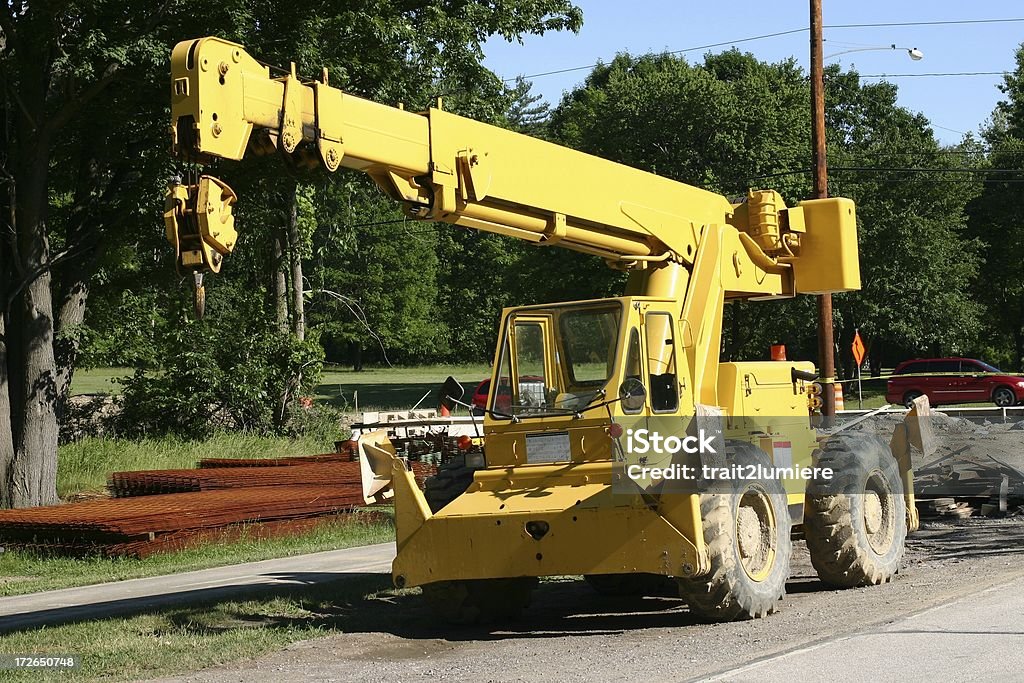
556,360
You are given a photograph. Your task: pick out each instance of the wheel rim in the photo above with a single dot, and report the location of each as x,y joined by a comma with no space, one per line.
1003,398
755,533
909,400
879,514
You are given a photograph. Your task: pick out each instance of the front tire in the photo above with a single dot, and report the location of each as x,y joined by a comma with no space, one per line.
747,532
855,523
1004,397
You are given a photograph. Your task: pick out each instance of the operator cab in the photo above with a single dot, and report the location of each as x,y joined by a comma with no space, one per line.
562,360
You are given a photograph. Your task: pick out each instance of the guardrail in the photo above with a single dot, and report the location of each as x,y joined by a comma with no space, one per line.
994,413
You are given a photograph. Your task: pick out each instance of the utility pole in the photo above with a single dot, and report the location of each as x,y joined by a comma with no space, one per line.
826,345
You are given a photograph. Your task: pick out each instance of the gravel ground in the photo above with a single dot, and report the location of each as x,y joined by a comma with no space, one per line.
572,634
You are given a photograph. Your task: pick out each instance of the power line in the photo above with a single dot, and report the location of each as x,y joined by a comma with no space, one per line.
894,169
934,74
952,22
915,170
673,52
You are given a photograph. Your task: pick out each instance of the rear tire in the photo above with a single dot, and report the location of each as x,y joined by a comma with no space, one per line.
908,398
747,532
855,523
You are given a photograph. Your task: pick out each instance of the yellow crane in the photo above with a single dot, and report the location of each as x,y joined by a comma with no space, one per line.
616,443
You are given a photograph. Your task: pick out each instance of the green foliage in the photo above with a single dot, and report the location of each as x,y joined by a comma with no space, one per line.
733,122
996,223
110,166
233,369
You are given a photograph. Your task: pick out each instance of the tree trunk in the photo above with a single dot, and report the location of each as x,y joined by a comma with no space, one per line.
6,434
295,254
70,314
1018,347
357,356
7,271
279,284
75,276
33,380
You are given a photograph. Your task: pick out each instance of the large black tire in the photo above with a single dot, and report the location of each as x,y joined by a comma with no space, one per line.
855,523
479,600
630,584
450,482
747,532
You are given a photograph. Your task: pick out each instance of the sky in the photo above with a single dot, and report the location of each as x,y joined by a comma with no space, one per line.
954,104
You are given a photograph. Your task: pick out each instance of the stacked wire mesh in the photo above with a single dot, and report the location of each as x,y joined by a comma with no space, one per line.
221,500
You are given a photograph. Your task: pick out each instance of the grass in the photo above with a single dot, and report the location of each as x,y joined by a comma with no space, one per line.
376,388
29,572
874,394
99,380
83,466
183,639
394,388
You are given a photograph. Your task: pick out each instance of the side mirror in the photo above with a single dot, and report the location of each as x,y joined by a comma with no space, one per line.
451,389
632,394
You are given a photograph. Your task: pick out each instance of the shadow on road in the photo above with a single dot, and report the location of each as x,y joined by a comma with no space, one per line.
366,603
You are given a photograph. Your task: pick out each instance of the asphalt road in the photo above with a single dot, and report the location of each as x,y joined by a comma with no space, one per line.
139,595
953,613
977,638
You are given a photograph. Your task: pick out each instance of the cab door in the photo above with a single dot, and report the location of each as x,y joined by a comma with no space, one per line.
531,379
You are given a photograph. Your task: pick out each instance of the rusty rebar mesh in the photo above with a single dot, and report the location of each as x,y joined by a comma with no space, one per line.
181,540
162,510
273,462
146,515
150,482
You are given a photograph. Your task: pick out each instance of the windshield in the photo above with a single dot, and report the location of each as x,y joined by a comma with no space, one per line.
556,360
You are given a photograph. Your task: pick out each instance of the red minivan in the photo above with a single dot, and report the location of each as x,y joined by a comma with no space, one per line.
948,381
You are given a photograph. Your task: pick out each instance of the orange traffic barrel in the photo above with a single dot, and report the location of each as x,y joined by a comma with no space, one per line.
839,396
778,352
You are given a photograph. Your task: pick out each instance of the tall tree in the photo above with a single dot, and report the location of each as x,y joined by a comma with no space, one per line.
84,88
996,222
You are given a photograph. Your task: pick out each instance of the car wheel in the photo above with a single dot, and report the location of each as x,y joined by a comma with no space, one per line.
908,398
1004,397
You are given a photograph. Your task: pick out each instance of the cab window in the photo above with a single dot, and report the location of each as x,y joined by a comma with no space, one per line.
661,362
530,364
634,366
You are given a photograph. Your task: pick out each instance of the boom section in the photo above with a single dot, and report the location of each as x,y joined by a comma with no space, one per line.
445,167
448,168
